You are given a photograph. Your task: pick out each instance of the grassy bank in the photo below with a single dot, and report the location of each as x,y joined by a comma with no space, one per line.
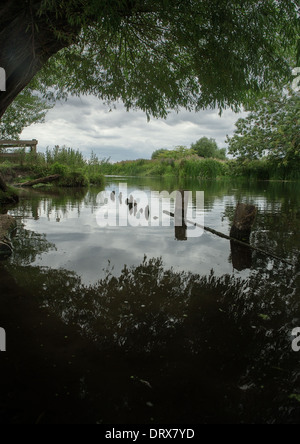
203,169
183,168
74,169
9,197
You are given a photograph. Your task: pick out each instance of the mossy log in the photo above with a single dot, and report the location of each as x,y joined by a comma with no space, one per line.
48,179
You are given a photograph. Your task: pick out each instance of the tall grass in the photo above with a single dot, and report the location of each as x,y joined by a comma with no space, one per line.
65,156
193,167
203,168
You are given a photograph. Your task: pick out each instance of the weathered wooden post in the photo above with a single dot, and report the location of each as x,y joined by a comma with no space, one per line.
241,230
181,206
33,147
244,219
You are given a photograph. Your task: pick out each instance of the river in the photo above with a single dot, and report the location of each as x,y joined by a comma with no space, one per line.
115,315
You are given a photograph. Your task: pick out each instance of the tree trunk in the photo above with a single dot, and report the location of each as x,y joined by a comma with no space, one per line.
27,41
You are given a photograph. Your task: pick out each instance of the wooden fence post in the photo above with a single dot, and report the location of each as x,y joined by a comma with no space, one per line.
181,206
244,219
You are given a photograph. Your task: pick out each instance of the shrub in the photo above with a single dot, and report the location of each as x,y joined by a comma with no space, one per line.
96,179
74,179
58,168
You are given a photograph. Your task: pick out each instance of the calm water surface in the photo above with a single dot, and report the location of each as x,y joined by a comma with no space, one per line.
146,324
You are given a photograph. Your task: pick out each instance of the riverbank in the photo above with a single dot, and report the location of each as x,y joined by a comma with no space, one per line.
192,168
18,175
77,171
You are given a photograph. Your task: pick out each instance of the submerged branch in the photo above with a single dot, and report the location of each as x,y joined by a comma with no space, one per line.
224,236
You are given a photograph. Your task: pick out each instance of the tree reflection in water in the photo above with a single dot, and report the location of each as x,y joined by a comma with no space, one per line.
155,345
213,349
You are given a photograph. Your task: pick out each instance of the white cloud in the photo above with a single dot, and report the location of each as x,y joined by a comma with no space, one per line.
87,124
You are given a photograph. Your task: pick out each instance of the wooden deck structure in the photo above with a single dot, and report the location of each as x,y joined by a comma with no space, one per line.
32,144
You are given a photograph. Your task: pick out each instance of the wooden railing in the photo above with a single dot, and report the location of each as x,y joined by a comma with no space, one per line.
32,144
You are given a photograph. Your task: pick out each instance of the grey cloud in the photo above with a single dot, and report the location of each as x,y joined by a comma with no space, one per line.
86,123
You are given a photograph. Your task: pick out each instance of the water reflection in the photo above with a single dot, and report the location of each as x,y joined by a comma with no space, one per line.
165,340
241,256
210,349
69,220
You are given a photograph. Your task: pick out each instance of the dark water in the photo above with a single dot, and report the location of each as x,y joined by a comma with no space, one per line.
149,324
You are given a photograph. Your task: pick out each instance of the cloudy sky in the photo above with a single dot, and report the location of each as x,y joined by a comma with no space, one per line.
87,124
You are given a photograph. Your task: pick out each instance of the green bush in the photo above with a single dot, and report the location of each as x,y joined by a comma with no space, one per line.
96,179
74,179
58,168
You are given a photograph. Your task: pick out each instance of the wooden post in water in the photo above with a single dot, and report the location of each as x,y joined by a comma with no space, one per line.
241,230
181,206
244,219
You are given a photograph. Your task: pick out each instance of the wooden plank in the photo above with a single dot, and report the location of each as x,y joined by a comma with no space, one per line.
15,142
19,144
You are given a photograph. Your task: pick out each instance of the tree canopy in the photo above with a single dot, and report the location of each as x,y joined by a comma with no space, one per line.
270,130
208,148
179,152
154,55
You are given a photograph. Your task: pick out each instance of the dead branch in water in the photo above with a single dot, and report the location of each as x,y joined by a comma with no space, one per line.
224,236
